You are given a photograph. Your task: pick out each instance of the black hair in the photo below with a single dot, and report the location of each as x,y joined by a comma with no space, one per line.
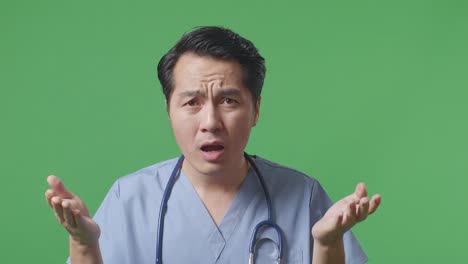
218,43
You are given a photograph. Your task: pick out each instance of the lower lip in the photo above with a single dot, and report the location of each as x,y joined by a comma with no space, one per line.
212,155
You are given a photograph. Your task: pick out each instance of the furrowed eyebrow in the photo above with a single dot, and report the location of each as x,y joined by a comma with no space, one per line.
224,92
191,93
230,91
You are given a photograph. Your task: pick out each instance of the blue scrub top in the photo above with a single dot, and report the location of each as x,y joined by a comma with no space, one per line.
128,219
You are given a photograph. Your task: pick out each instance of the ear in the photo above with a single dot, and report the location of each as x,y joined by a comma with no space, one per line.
167,109
257,110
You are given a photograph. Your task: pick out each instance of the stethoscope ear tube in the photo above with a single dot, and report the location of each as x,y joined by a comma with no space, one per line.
163,209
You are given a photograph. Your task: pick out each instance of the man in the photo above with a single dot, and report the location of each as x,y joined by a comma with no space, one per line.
212,80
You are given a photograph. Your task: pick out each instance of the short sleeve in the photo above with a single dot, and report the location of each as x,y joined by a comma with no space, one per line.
319,204
109,217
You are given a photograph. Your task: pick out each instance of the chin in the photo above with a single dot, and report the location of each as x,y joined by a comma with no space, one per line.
200,166
211,169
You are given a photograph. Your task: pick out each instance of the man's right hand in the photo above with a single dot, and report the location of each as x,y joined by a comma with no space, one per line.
72,214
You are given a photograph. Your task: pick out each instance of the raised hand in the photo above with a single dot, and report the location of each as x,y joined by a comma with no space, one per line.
72,213
343,215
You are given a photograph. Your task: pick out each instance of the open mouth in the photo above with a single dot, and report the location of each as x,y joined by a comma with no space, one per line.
211,148
212,152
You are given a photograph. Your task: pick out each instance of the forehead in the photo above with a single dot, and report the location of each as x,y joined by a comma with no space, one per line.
192,71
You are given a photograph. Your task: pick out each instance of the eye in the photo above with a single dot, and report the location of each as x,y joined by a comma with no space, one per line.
229,101
192,102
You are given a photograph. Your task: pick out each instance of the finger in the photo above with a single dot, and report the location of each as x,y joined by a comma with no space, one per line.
78,217
374,203
58,187
49,194
58,210
363,209
360,190
352,198
75,213
67,214
349,215
339,220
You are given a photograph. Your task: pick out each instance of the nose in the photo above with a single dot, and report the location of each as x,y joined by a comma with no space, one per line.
210,119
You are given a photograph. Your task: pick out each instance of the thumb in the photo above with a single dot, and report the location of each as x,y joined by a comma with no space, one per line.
58,187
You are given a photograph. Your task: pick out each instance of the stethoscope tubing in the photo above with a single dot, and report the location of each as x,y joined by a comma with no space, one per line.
264,224
163,208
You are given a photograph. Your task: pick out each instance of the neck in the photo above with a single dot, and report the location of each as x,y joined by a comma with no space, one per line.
228,180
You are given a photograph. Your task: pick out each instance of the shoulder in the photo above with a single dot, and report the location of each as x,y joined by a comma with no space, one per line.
150,171
284,176
145,180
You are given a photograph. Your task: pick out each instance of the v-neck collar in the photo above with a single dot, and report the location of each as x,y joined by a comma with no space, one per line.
219,235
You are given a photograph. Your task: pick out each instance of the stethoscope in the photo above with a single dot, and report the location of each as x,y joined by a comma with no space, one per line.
253,241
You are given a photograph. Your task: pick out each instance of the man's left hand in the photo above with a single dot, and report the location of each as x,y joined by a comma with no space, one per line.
343,215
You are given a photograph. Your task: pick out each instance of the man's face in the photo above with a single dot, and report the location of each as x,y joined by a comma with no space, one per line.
211,114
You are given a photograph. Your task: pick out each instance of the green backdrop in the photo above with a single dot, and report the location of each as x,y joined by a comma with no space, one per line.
372,91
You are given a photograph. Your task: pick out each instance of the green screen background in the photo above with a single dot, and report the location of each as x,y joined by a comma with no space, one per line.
372,91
